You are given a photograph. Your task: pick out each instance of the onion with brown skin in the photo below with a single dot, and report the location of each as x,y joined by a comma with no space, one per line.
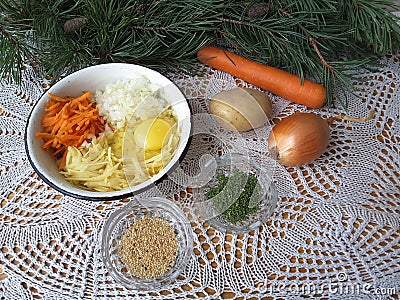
303,137
299,139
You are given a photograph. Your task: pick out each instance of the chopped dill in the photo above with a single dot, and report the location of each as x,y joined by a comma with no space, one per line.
236,196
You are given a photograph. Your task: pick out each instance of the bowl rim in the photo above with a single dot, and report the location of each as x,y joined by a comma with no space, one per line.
118,215
123,193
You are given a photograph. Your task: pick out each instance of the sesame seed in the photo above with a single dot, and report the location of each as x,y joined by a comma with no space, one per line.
148,247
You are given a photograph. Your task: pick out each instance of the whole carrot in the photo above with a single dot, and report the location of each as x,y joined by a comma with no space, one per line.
279,82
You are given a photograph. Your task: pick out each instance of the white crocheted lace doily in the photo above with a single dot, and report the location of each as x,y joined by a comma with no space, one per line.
336,223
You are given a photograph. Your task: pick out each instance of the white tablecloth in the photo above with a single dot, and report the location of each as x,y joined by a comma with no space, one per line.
335,231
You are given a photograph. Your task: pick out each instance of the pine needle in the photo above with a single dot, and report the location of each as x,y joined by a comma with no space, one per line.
320,40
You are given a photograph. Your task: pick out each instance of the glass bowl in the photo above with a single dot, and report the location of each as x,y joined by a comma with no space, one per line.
121,219
264,200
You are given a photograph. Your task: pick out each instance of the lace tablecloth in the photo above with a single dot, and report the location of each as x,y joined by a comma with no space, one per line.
335,232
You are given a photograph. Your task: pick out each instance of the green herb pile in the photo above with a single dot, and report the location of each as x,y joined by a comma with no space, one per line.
311,38
236,196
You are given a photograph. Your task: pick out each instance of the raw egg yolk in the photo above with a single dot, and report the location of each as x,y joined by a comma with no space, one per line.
151,133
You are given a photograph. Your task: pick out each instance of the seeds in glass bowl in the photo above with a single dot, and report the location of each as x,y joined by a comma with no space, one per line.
148,247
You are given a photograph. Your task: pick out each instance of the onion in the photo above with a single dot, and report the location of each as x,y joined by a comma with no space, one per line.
303,137
299,139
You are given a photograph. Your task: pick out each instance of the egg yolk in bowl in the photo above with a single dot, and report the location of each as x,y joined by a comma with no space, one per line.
151,134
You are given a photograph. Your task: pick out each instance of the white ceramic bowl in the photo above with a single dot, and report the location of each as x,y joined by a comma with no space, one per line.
91,79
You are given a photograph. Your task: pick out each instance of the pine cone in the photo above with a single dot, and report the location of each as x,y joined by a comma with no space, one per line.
257,10
73,25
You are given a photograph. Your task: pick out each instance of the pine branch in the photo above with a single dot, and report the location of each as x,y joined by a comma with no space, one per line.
321,40
14,51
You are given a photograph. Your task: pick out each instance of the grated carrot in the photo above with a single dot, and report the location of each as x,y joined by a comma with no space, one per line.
69,122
